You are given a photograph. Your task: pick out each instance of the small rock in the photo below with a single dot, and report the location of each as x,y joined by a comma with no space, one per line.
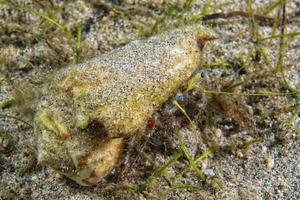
218,133
209,173
270,163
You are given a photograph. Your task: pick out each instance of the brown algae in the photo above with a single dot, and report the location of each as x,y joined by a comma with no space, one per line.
88,109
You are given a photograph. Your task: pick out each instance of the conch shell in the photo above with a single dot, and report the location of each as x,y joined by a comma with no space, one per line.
88,109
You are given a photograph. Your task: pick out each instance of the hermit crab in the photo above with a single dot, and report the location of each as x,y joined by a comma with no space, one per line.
87,110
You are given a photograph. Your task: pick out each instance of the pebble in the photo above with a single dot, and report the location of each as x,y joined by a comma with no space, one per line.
270,162
209,173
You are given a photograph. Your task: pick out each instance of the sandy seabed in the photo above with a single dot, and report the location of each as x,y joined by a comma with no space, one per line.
259,164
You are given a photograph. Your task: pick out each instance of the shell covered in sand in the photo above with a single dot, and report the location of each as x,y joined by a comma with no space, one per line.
88,109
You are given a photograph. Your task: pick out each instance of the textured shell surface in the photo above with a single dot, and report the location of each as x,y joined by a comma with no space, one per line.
88,109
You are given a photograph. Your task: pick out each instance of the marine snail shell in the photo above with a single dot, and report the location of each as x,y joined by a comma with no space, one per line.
88,109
